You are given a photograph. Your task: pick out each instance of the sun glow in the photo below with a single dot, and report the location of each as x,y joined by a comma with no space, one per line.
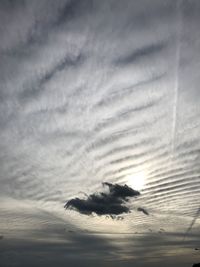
136,180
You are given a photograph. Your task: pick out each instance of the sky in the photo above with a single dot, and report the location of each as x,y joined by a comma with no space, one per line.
99,133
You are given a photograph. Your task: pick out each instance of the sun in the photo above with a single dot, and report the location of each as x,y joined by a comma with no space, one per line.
136,180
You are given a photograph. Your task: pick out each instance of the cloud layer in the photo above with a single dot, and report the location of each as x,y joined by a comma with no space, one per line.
94,91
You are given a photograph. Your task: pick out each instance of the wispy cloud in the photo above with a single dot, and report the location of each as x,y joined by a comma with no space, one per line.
141,53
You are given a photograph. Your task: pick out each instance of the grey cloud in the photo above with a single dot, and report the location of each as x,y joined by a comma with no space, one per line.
111,203
143,210
193,222
140,53
31,252
73,9
33,20
68,62
119,94
58,15
108,111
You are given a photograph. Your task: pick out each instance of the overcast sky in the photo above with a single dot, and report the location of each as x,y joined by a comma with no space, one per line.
92,92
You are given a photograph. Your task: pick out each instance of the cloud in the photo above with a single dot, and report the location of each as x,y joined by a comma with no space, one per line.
143,210
145,51
192,223
120,191
111,203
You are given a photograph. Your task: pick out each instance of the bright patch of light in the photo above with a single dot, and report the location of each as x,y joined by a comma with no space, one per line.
136,180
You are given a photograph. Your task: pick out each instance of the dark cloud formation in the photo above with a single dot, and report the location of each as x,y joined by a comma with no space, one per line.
192,223
111,203
143,210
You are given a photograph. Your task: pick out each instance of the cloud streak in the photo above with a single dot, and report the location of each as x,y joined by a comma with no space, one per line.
143,210
140,53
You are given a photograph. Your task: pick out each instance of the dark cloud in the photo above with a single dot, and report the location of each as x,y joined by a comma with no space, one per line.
192,223
120,191
143,210
140,53
111,203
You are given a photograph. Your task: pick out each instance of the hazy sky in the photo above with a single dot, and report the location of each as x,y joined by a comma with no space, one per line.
95,91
